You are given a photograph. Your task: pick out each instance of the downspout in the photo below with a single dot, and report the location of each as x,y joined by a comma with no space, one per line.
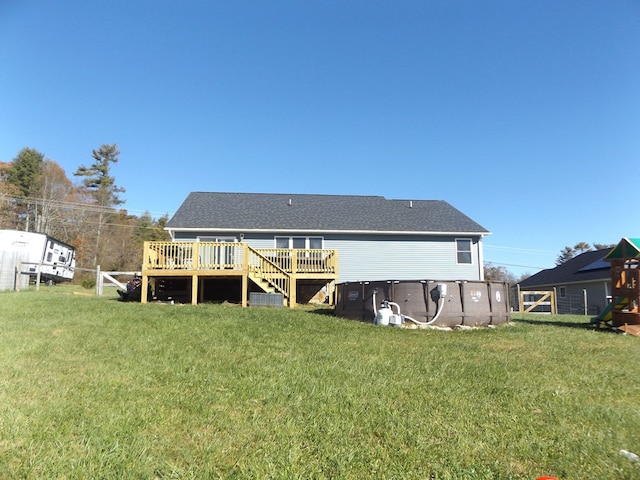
480,259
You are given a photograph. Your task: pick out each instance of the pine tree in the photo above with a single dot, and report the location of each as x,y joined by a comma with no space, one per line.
102,188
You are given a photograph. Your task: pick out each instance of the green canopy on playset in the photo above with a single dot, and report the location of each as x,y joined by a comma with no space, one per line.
627,248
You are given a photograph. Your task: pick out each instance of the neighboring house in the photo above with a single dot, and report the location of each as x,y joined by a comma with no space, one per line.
376,238
586,276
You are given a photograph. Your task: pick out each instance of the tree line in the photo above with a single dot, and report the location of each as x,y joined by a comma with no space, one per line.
568,252
37,196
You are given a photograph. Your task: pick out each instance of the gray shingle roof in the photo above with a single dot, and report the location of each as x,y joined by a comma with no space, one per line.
585,267
269,211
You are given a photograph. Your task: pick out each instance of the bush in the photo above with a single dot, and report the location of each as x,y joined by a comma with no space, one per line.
89,283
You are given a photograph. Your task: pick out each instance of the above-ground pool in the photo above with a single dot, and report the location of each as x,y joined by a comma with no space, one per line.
425,302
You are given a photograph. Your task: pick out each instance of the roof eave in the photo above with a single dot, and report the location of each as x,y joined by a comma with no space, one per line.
310,230
573,282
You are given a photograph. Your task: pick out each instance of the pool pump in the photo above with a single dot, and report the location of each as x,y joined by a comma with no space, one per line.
385,316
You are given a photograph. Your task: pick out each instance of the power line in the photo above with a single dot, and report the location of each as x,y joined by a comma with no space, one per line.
71,205
518,249
514,265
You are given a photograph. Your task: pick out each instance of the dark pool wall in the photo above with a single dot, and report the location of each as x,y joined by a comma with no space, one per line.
469,303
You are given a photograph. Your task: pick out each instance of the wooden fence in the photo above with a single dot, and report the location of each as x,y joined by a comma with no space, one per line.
537,301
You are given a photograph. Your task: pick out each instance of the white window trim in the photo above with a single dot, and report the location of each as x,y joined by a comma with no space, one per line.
470,240
205,238
290,241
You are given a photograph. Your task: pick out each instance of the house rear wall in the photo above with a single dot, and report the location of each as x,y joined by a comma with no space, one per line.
380,257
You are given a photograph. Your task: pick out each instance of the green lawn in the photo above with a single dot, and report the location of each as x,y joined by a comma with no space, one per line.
95,388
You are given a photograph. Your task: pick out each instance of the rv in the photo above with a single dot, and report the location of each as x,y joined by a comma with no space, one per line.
37,254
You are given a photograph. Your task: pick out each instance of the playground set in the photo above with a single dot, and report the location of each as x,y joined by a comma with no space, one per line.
622,313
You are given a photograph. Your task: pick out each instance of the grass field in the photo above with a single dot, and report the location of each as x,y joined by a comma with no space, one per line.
95,388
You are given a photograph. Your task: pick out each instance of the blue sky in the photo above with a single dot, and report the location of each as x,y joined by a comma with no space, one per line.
524,115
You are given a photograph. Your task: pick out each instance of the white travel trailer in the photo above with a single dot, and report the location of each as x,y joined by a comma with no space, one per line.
33,253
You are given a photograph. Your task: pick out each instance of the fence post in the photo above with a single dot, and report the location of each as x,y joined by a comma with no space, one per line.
38,276
16,276
584,294
98,281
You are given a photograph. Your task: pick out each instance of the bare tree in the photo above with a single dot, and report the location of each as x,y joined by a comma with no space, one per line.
54,194
497,273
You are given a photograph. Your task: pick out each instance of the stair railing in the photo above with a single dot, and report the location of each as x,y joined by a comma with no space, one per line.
265,266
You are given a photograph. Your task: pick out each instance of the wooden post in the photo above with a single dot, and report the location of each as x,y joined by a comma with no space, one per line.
144,288
245,273
245,287
292,282
195,256
194,289
331,292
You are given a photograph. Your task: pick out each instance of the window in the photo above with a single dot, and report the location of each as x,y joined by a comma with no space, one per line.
463,250
315,242
563,292
299,242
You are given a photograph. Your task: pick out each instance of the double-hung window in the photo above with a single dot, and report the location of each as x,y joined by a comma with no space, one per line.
463,250
299,242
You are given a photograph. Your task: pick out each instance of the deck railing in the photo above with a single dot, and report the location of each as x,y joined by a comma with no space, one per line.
300,261
238,256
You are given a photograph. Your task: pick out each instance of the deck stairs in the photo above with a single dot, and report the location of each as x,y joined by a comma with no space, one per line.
268,275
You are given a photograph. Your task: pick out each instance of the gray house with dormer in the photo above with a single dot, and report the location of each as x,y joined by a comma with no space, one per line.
376,238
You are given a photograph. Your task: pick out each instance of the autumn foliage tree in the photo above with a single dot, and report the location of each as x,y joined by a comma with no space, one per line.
36,195
54,194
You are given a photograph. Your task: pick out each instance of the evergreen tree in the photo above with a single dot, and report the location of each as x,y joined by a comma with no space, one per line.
25,174
25,171
102,188
568,253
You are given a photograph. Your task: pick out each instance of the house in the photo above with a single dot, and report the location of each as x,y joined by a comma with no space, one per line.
355,238
582,284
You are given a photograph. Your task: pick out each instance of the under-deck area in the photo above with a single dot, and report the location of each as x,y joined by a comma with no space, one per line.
198,272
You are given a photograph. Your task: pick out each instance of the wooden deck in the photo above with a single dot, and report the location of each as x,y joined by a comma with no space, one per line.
270,270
